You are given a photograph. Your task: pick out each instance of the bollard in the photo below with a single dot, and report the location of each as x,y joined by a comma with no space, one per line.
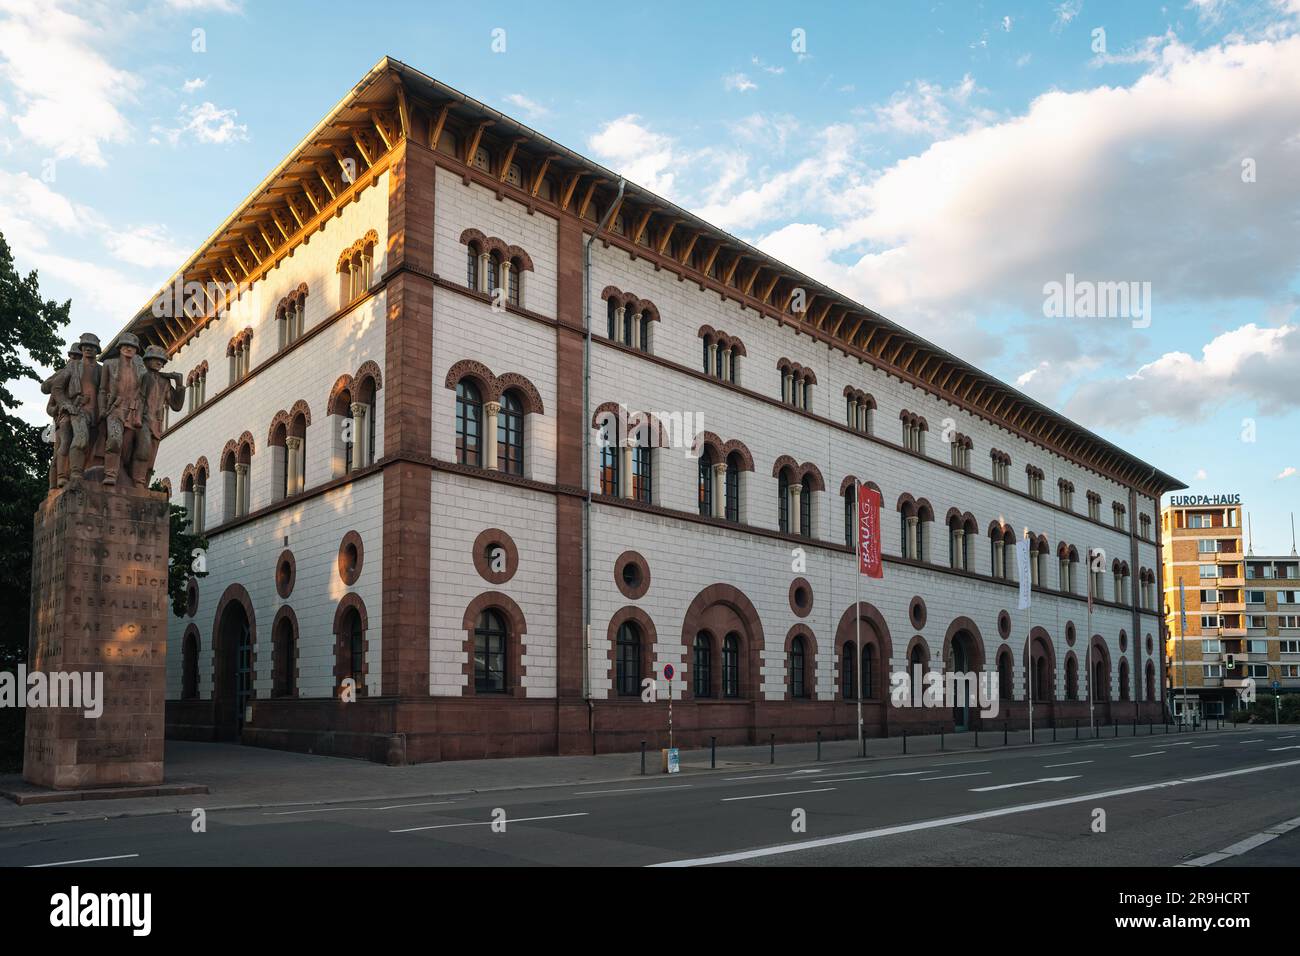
977,738
905,741
864,745
1053,731
1116,730
1004,733
772,743
713,753
643,758
819,745
1135,727
941,738
1076,728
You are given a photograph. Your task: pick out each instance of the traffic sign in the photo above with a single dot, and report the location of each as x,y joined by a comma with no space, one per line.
669,671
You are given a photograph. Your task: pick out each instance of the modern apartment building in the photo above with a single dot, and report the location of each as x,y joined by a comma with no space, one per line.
1236,619
419,476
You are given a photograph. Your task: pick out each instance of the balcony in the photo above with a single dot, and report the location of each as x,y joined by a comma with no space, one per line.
1226,632
1226,582
1232,607
1223,556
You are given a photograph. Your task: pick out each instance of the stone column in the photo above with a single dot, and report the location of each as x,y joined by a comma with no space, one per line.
490,412
505,281
625,471
796,513
911,536
360,434
241,489
200,507
713,358
720,490
637,319
484,264
961,549
787,388
727,358
619,314
292,451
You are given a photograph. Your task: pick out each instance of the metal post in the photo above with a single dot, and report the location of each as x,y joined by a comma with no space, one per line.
1004,733
713,753
905,741
819,745
1076,728
940,736
643,758
772,743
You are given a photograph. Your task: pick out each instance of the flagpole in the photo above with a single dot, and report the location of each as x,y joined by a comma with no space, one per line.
1029,638
1087,656
857,594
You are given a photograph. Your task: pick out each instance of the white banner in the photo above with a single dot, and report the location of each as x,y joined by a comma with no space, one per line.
1022,568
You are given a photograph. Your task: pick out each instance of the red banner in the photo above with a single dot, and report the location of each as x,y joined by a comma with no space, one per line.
869,532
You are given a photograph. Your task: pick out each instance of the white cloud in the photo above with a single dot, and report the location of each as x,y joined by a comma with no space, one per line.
189,86
205,123
203,6
927,109
1208,12
149,246
531,108
1065,14
1148,51
738,83
1006,24
1252,363
1200,475
1287,472
67,96
629,148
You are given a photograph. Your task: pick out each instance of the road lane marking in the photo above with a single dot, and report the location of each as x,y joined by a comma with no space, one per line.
1154,753
93,859
1288,747
1253,740
1246,845
396,806
954,776
488,823
583,793
788,793
1023,783
1075,763
1204,746
1181,743
963,818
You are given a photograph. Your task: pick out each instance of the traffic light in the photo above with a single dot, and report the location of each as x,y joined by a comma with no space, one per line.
1232,661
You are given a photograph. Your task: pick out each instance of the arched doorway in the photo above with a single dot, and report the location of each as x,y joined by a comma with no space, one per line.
234,683
964,658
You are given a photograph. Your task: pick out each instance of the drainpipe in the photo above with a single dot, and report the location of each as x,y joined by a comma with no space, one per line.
586,462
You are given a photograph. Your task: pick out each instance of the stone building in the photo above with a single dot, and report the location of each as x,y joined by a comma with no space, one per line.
385,438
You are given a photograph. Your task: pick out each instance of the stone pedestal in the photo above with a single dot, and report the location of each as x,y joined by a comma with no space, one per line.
99,605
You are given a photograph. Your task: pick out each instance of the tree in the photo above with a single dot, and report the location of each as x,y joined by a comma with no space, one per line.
29,336
182,561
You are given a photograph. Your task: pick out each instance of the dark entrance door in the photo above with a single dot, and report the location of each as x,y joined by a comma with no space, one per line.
960,667
235,672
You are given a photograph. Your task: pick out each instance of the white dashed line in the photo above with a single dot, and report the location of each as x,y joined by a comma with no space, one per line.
584,793
1246,845
1075,763
1154,753
954,776
788,793
93,859
488,823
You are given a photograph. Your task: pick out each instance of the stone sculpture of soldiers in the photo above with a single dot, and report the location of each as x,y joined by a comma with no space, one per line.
74,405
162,390
121,405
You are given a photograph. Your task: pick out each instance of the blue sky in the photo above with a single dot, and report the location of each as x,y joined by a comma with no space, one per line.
941,162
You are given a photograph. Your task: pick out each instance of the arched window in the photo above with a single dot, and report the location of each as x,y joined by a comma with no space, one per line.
706,482
644,344
704,343
609,467
190,667
367,398
490,638
916,671
733,487
628,339
469,423
284,653
868,671
512,292
1004,677
493,273
510,434
356,646
851,517
628,660
798,687
731,666
471,266
1071,679
783,500
849,672
703,665
1123,680
643,473
611,308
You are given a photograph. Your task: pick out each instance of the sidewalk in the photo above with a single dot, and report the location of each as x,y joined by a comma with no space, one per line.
241,777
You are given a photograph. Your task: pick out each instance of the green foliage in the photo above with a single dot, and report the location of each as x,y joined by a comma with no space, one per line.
30,337
1262,710
180,556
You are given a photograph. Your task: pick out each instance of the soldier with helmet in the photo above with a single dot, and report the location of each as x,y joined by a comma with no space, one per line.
161,390
121,405
74,406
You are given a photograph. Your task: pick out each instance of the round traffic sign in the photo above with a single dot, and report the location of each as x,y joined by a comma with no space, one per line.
669,671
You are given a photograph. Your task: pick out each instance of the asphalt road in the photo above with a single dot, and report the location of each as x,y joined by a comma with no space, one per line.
1166,800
